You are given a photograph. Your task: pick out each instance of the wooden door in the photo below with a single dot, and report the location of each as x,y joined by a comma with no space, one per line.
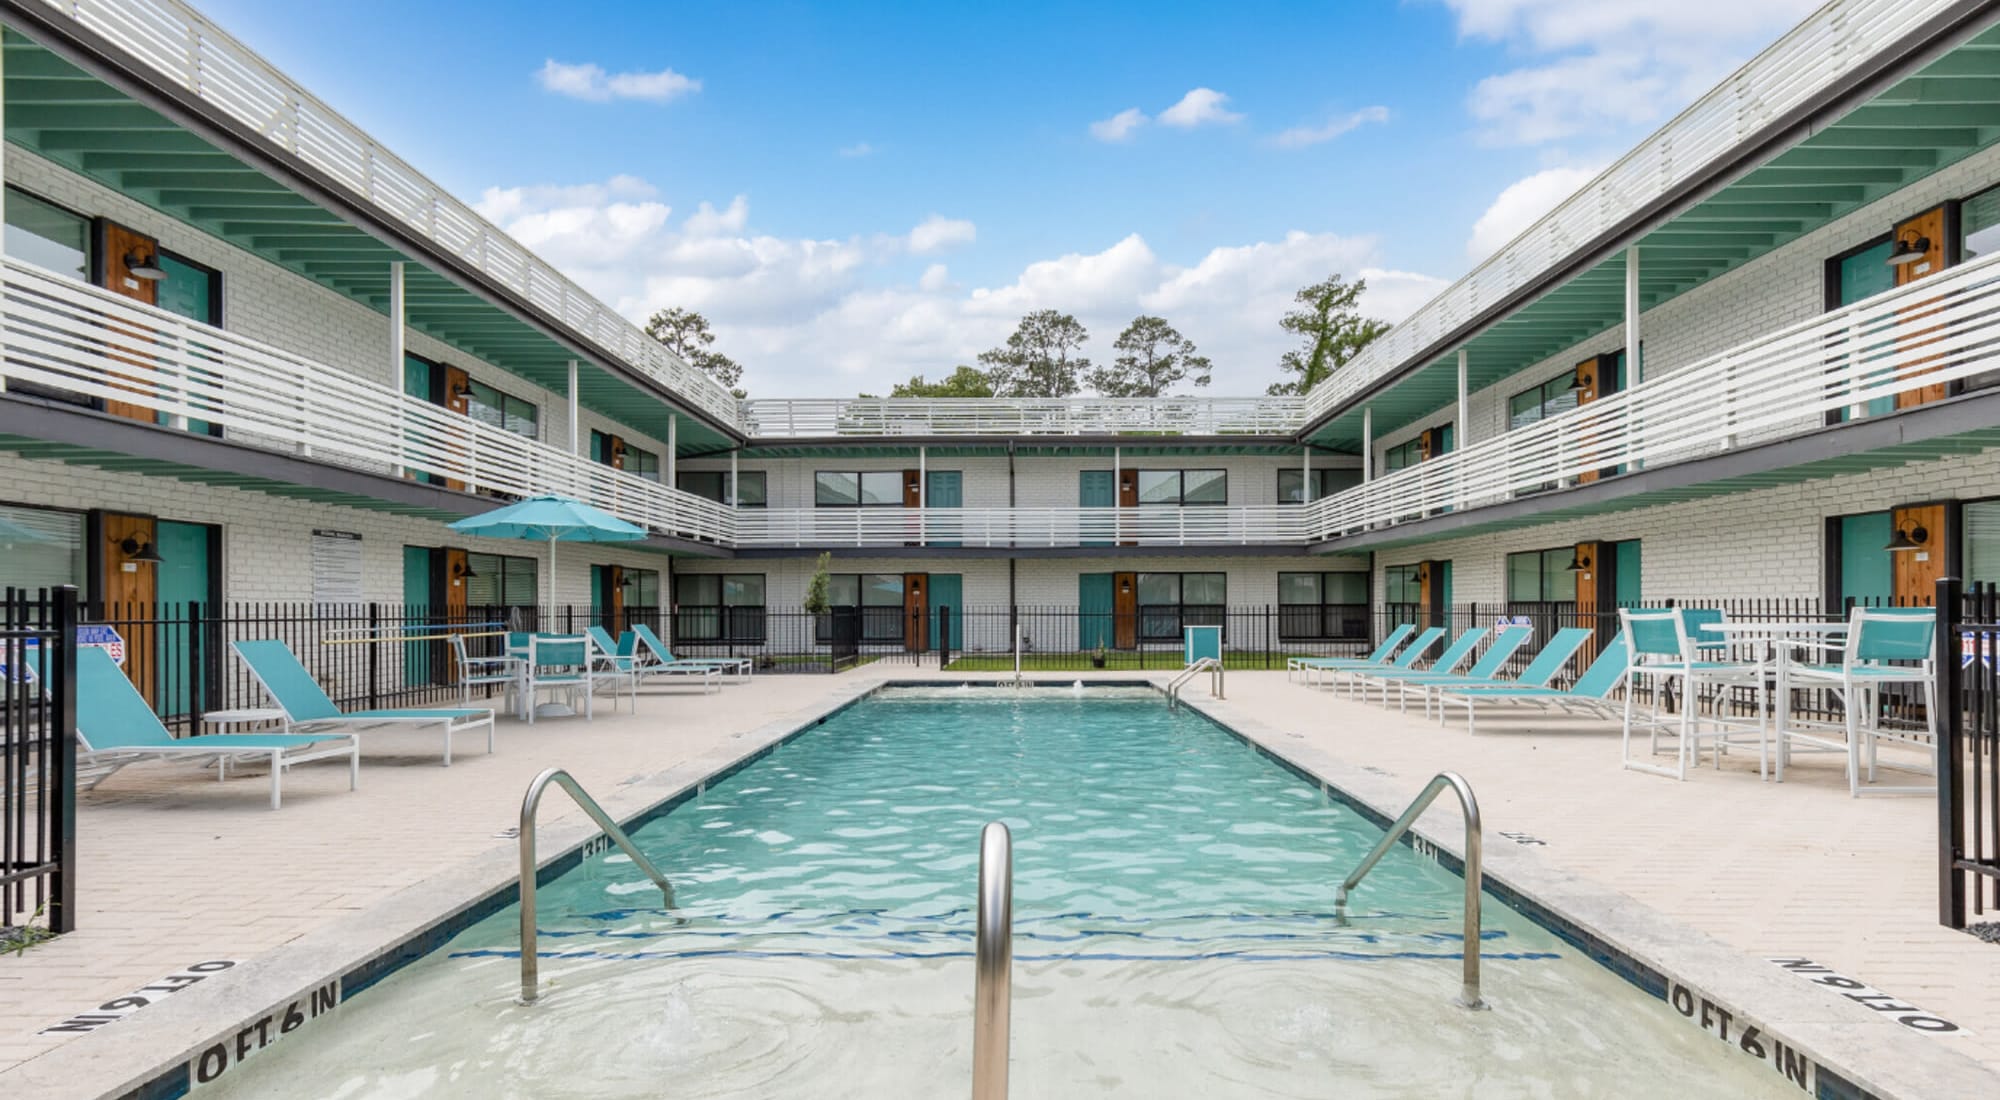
122,249
1589,374
457,398
1932,227
1914,573
1128,497
1427,592
916,611
614,599
456,569
1588,555
130,591
1125,610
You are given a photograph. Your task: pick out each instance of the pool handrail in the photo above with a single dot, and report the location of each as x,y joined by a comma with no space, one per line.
1210,665
530,805
993,963
1474,878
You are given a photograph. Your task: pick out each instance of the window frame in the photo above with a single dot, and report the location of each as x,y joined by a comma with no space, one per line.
214,274
872,625
721,621
1296,624
90,235
1159,622
1180,476
1542,575
860,489
498,565
472,387
1319,476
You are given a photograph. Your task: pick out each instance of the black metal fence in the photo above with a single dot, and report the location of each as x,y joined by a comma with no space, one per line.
1968,663
37,760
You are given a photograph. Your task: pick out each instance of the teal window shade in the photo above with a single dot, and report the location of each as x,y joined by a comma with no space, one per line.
47,236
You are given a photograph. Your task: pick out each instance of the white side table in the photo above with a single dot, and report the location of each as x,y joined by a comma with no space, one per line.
249,718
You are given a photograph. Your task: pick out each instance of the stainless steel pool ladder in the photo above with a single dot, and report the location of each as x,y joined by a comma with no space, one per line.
1474,877
1210,665
530,804
993,963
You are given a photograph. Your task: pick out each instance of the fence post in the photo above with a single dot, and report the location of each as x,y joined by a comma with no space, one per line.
1951,732
62,785
944,636
1269,622
374,665
197,667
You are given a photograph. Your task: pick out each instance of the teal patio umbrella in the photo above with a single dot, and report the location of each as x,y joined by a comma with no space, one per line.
557,519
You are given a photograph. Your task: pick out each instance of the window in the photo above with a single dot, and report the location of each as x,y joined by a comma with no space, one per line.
1978,225
879,596
1541,576
504,411
1541,402
642,462
1403,455
1170,601
190,290
1325,483
866,489
719,607
1981,520
1183,487
47,236
41,548
500,580
714,484
1322,606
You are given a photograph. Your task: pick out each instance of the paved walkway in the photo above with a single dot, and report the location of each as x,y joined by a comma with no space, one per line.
177,870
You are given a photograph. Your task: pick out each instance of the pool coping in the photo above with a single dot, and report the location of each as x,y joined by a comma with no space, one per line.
1856,1051
208,1026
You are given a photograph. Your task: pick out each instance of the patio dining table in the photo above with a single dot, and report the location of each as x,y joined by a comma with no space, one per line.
1782,638
519,656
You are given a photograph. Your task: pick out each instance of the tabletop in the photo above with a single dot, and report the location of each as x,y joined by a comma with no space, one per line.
1800,627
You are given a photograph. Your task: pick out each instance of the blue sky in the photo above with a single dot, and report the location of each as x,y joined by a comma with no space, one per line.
858,192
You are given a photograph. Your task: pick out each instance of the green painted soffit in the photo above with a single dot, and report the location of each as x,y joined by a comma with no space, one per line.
78,121
1946,112
1860,462
1024,447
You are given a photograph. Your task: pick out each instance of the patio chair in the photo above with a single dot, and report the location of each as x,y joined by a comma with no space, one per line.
115,726
1507,641
472,672
561,664
657,656
307,706
1875,637
1405,660
1379,657
1590,695
619,661
1663,652
1447,663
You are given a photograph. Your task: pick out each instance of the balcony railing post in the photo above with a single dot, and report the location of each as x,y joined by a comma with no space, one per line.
1951,749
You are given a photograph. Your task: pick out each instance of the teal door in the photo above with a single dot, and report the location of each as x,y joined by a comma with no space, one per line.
184,578
1865,571
1864,275
418,608
420,381
944,489
1625,573
1094,626
948,590
1441,616
1097,489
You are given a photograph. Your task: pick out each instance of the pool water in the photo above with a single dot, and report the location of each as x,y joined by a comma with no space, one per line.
1174,936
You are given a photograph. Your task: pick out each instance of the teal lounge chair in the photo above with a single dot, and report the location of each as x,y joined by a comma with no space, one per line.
1507,641
1379,657
620,660
307,707
1404,660
1591,694
116,727
1456,654
655,653
1541,672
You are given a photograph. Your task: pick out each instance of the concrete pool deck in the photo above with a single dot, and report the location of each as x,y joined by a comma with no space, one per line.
178,870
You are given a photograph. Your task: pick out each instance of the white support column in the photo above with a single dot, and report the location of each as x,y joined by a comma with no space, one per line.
1368,443
398,332
1117,507
575,444
1306,489
923,495
1464,400
735,498
1634,370
673,448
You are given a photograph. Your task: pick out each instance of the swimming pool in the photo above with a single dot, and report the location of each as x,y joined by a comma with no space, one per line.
1174,935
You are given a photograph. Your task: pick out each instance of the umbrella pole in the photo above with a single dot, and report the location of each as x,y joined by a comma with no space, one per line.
552,709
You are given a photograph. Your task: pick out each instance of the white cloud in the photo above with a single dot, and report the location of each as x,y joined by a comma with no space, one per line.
1517,207
590,81
1200,107
937,233
858,149
840,316
1618,64
1118,127
1301,136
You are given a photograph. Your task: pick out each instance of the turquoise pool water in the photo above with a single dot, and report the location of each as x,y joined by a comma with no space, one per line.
1174,935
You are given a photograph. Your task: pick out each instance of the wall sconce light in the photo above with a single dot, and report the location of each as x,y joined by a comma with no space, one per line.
141,266
1581,380
1578,562
136,549
462,571
1910,247
1905,541
1124,587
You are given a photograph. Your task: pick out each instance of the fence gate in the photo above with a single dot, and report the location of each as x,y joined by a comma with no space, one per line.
1969,758
38,758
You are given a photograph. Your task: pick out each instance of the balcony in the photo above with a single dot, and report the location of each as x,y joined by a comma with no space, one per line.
1021,528
1913,341
828,418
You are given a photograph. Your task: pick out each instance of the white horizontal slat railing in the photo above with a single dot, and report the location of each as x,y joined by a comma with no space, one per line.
1219,526
70,337
190,52
1829,43
1933,332
912,416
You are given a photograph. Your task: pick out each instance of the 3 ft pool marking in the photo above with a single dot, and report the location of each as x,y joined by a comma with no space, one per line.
1736,1031
1867,996
116,1009
219,1058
